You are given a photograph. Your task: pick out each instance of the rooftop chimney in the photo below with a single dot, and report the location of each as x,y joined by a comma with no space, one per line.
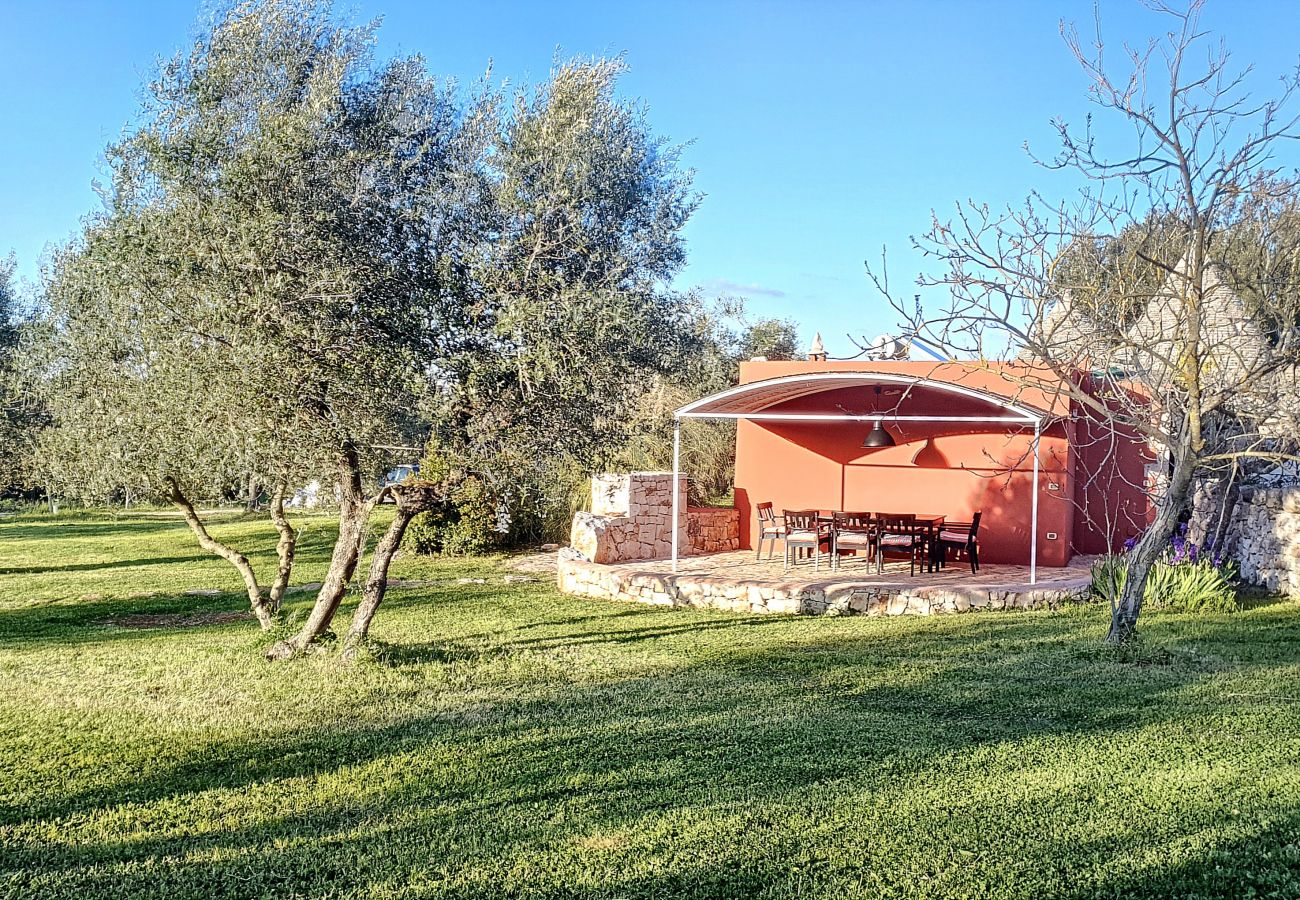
817,352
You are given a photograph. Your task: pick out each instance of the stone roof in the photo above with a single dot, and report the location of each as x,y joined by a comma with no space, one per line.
1232,345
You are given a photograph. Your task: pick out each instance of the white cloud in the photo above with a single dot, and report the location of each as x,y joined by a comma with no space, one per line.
726,286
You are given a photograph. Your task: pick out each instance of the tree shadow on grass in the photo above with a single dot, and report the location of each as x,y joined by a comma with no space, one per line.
1265,862
509,793
1252,597
471,647
112,564
33,531
82,622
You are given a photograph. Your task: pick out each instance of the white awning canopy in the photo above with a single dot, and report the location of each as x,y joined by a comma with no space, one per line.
755,399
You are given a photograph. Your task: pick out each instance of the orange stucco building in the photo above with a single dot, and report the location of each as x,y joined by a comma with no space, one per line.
964,437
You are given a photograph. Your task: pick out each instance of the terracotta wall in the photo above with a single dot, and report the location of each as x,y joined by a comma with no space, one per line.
799,466
951,469
1111,503
1090,486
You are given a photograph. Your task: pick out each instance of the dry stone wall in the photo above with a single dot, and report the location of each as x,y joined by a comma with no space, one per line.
632,515
826,598
1264,537
712,530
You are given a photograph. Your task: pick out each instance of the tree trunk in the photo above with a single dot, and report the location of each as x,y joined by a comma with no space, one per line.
284,548
232,556
412,499
250,494
1231,494
354,516
376,583
1124,614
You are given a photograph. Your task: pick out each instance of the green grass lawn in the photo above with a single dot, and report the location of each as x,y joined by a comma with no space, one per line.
515,742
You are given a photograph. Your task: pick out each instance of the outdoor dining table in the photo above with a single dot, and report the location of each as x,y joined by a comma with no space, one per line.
931,522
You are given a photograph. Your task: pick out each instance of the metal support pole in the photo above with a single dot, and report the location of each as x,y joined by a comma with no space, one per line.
1033,503
677,501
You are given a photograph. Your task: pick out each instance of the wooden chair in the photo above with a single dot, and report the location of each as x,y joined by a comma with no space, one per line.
770,528
899,533
852,531
961,536
804,530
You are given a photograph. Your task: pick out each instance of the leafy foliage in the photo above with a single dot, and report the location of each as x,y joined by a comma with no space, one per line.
20,416
304,250
469,523
265,283
726,337
571,322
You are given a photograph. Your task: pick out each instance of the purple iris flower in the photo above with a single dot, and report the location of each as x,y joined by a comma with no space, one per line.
1179,544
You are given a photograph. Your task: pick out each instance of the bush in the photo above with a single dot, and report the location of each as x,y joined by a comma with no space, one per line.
1199,586
471,523
424,533
1186,578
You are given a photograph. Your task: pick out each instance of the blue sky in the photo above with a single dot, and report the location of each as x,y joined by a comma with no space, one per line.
820,131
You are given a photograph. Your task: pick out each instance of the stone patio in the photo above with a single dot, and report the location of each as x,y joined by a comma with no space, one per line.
737,581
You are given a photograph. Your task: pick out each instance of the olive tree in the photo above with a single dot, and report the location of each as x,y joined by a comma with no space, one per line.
20,416
572,320
306,257
264,290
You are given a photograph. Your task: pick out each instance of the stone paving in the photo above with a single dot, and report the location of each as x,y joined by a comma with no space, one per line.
741,565
737,581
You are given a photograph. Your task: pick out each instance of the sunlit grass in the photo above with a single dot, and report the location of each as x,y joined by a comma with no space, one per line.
511,741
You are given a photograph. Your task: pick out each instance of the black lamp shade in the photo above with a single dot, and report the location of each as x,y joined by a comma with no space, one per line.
877,437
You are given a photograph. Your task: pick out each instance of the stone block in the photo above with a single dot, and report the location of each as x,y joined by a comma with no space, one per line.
610,494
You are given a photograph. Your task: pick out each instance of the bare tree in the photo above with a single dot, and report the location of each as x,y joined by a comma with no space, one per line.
1161,300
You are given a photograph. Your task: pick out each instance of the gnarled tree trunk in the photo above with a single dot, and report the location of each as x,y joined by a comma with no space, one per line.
412,499
260,607
354,516
285,548
1125,612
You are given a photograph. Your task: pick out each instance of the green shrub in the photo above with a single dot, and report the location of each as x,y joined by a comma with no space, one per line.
470,524
1175,585
424,533
1199,586
476,528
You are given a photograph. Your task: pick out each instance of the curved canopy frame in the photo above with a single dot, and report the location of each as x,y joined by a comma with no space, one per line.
752,400
749,401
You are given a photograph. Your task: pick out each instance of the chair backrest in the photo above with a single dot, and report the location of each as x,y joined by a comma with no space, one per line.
975,523
897,523
800,519
853,521
765,513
